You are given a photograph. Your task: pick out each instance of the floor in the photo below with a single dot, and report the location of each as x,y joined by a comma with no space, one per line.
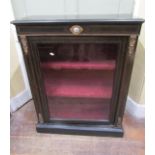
26,141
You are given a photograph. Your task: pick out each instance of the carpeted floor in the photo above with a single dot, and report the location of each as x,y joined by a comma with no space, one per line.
26,141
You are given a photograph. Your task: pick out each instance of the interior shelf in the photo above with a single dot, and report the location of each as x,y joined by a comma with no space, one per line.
106,65
82,83
78,91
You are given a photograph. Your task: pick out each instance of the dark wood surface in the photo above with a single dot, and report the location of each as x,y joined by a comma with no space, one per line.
97,19
88,29
103,130
122,32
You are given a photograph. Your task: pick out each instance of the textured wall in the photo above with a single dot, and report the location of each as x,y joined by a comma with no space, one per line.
16,79
137,85
136,91
71,7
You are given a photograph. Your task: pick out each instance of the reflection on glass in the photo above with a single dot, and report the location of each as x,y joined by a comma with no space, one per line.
78,79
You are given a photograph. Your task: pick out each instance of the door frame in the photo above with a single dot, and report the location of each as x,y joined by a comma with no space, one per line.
35,74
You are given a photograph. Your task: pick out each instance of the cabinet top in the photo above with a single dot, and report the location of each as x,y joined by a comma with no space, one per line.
115,19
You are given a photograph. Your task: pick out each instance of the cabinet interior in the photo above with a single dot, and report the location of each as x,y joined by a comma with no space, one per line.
78,79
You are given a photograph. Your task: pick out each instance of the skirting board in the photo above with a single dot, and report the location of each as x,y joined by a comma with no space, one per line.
135,109
19,100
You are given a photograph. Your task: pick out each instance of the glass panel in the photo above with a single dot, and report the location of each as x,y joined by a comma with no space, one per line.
78,79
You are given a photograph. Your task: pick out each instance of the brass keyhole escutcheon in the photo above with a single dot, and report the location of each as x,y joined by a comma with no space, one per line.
76,29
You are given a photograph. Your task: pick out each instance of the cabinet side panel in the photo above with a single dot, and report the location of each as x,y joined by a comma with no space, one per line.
30,67
126,76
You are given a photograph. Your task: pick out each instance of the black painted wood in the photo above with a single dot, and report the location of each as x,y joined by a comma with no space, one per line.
121,31
93,19
80,129
121,41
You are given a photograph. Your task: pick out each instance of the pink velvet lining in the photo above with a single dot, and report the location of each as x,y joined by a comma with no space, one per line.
75,93
86,109
107,65
72,83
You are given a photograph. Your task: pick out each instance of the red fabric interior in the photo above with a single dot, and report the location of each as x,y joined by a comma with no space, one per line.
78,79
79,108
107,65
78,94
82,83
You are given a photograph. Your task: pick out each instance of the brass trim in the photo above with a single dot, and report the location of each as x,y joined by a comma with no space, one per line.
24,44
119,121
76,29
132,43
40,118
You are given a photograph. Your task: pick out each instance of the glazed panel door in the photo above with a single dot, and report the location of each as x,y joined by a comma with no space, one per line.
80,77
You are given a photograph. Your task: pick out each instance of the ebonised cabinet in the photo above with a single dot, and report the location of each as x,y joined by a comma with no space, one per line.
79,72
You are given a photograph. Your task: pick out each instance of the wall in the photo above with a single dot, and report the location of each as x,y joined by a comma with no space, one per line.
71,7
16,79
19,86
137,85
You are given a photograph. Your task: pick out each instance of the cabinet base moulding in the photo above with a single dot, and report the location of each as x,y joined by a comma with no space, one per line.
103,130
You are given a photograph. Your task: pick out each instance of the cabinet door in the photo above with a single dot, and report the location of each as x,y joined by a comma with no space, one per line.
80,76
